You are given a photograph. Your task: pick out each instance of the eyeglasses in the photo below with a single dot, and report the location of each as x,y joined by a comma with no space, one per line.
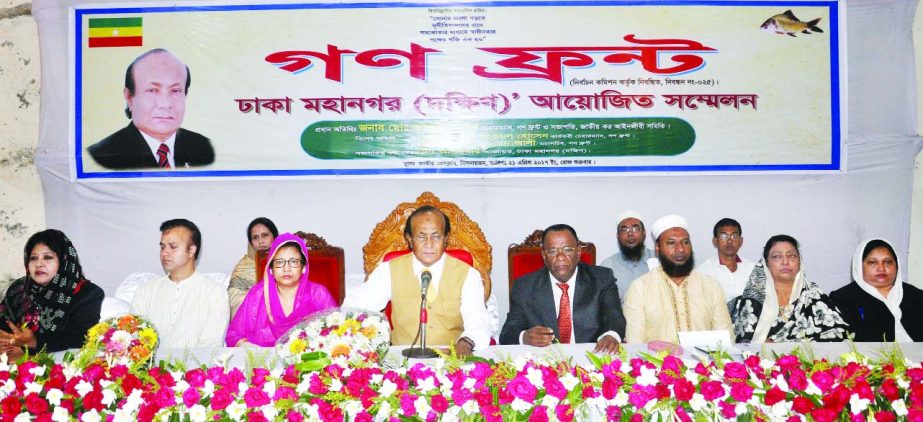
567,250
789,256
630,229
292,263
435,237
732,236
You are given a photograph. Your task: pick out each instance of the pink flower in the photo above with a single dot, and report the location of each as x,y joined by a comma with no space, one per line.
741,391
797,380
491,413
191,397
316,386
735,371
327,411
285,393
539,414
683,389
521,388
823,380
673,366
439,403
259,377
682,415
613,413
609,387
293,416
460,397
256,417
639,395
407,404
35,404
823,415
221,399
554,388
712,390
256,397
564,412
364,416
802,405
727,409
196,377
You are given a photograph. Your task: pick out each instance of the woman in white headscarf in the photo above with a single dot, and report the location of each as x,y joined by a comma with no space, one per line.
877,304
780,305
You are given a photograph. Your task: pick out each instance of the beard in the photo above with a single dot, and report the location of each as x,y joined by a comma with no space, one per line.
676,270
633,253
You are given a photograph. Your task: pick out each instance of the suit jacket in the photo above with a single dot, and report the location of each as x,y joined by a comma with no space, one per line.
869,318
126,149
596,308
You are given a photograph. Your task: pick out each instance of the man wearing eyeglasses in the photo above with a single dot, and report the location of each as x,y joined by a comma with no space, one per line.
728,268
630,262
455,297
188,309
568,301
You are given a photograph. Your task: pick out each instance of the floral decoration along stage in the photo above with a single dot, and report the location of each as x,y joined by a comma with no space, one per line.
661,387
128,340
347,337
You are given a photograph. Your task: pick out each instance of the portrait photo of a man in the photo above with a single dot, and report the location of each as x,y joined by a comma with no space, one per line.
156,86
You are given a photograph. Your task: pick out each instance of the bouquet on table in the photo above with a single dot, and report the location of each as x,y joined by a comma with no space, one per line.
128,340
355,337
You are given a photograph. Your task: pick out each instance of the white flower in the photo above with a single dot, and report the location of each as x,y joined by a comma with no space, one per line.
8,387
197,413
899,407
648,377
780,410
22,417
698,402
569,381
596,377
83,388
207,389
534,375
32,387
54,396
421,406
691,376
303,386
124,415
235,410
242,387
121,339
270,389
352,407
426,384
620,399
134,401
858,404
108,397
549,401
520,361
741,408
91,416
387,388
336,385
813,389
520,405
270,411
4,364
471,407
384,411
903,382
468,385
60,414
37,371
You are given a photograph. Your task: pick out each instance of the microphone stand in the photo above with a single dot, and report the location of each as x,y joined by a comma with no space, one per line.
422,352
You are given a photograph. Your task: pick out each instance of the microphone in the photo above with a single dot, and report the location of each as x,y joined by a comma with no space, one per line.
422,352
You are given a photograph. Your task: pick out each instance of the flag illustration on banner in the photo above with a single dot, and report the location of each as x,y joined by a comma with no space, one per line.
115,32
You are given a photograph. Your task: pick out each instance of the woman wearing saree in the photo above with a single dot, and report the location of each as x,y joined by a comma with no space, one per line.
877,304
282,299
779,304
261,232
53,306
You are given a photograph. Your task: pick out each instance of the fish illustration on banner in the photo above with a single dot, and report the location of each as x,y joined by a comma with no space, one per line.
787,23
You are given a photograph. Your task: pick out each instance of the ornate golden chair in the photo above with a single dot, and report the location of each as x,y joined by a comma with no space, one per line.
465,236
526,257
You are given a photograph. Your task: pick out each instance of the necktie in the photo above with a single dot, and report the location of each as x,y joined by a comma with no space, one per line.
162,160
564,318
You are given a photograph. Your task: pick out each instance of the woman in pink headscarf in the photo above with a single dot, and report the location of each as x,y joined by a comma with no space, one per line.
282,299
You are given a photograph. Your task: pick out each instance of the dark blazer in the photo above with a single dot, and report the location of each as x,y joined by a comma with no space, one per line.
596,307
871,320
83,314
126,149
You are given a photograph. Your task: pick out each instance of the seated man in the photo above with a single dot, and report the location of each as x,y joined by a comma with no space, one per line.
187,309
455,298
730,270
540,312
630,262
673,297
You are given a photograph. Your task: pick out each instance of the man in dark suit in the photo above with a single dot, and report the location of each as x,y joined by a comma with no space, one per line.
156,84
567,300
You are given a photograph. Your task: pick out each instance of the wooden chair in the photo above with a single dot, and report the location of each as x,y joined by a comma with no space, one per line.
326,262
466,235
526,257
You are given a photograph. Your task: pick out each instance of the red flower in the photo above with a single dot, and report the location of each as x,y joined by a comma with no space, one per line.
683,389
131,383
221,399
823,380
885,416
735,371
539,414
439,403
802,405
837,399
712,390
890,390
10,407
196,377
256,397
36,404
93,400
741,392
823,415
773,396
609,389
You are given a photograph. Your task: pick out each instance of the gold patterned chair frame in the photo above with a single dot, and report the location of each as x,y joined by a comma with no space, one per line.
466,235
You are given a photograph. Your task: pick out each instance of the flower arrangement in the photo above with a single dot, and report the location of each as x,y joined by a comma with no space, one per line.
784,388
343,336
128,340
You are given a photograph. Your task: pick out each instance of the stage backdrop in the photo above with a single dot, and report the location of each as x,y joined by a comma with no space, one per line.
310,89
114,221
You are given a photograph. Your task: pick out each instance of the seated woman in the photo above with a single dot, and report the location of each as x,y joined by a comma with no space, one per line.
781,305
260,234
282,299
53,306
878,305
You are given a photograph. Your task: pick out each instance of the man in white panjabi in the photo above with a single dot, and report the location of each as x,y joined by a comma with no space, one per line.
673,297
728,268
187,309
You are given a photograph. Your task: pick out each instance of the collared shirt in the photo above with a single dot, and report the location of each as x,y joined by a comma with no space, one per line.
375,293
626,270
189,313
656,308
154,145
732,283
557,291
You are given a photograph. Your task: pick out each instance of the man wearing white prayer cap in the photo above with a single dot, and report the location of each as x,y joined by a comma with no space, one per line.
673,297
630,262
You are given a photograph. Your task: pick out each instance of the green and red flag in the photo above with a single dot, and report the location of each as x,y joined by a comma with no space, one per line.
115,32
